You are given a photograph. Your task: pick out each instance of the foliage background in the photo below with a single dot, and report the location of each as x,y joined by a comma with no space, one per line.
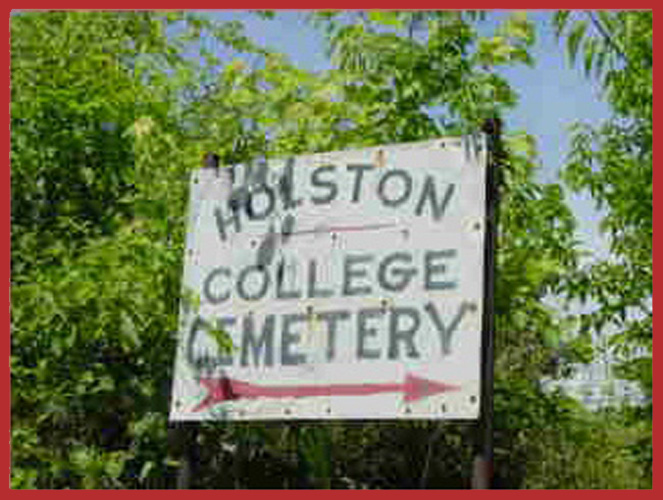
112,110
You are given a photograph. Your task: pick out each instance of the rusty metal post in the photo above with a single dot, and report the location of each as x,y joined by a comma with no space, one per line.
189,455
482,472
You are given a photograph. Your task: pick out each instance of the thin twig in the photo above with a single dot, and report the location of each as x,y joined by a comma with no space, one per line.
606,35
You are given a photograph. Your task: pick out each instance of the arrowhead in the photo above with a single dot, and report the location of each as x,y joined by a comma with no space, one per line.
218,391
416,388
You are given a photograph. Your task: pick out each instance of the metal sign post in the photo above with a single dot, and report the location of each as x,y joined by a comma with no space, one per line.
189,455
482,474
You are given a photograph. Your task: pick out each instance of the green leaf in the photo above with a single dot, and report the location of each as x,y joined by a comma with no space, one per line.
575,38
387,18
223,340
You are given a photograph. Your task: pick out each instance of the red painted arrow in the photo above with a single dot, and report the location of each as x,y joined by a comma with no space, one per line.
226,389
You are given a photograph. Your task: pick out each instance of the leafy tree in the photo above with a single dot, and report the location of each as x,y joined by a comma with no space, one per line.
388,86
99,163
613,162
109,115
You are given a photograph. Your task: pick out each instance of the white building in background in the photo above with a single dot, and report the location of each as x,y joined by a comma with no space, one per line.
596,386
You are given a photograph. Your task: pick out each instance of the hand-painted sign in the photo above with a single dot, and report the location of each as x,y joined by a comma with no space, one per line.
336,285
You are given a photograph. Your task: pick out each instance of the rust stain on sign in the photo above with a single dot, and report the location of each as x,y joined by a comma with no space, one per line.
380,158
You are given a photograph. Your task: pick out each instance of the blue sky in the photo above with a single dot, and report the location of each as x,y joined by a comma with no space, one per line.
553,94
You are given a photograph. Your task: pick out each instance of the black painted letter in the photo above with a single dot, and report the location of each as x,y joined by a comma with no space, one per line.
271,200
313,292
431,268
429,193
359,175
330,186
399,334
265,342
332,318
445,333
290,339
349,273
364,331
241,283
400,276
407,188
210,296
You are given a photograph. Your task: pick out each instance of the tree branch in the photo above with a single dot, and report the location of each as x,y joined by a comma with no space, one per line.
603,31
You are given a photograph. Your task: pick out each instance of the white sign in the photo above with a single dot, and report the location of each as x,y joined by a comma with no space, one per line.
349,283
